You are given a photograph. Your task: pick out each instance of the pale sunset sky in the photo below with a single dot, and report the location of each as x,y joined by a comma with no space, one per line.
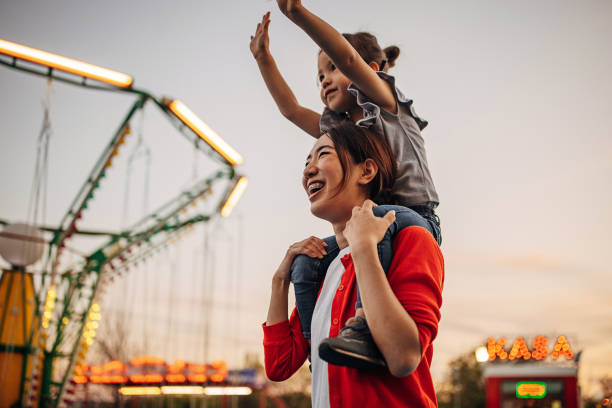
519,102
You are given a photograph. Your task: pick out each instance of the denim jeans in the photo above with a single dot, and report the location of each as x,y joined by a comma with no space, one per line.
308,273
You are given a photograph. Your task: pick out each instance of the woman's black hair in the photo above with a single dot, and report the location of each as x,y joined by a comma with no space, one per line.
356,144
367,47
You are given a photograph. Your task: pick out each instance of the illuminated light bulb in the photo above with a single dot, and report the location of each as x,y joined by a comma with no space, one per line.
232,199
185,115
60,62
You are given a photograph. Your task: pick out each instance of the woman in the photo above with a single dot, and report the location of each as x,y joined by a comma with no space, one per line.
345,170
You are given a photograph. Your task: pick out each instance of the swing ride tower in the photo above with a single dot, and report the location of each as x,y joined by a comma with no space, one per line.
47,328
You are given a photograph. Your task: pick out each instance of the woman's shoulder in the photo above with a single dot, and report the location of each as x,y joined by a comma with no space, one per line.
415,240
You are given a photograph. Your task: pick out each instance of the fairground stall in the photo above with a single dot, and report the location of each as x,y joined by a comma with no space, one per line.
544,375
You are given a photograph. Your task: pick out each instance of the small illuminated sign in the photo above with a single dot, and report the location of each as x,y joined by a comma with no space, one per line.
530,389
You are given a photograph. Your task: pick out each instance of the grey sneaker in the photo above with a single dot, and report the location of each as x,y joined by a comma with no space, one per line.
353,347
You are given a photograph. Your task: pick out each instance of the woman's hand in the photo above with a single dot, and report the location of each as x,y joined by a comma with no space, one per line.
312,246
260,42
364,228
287,7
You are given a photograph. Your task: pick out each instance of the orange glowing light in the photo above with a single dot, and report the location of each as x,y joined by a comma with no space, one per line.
197,368
114,365
66,64
108,379
217,377
540,349
561,348
233,197
147,360
186,115
147,378
197,378
496,349
96,370
177,366
176,378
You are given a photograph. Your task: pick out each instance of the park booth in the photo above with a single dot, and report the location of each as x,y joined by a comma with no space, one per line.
533,385
531,377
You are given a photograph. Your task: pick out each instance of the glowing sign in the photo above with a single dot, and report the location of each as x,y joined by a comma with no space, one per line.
530,389
519,350
152,370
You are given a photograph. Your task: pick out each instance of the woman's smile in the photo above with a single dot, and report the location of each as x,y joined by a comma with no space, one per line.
314,188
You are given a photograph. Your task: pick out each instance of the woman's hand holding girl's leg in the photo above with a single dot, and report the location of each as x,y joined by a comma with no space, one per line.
277,311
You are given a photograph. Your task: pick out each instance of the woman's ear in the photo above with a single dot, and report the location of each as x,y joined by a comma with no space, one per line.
374,65
369,170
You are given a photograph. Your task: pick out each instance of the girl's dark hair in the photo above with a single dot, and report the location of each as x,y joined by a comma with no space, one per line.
367,46
357,144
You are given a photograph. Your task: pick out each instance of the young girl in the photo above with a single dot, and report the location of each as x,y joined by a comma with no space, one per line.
354,86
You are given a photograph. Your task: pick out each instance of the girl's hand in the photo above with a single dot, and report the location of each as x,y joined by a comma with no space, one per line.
287,7
313,247
260,42
364,228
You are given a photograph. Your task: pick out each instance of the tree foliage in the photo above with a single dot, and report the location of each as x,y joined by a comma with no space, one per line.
464,385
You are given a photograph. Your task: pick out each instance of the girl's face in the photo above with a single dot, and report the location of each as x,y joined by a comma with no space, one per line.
322,180
333,86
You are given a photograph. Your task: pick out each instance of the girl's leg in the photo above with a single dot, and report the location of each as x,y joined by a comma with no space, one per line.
354,346
307,274
404,217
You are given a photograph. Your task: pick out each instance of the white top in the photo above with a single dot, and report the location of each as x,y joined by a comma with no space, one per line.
319,330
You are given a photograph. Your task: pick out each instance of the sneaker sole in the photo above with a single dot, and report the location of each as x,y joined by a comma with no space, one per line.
340,357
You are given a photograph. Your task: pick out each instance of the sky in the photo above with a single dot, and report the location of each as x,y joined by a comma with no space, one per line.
518,98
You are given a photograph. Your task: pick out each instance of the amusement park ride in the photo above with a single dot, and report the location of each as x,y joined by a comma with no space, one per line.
47,325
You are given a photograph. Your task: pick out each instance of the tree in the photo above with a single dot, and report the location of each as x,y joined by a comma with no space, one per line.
464,385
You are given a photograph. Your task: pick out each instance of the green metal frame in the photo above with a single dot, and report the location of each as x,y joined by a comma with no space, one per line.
77,288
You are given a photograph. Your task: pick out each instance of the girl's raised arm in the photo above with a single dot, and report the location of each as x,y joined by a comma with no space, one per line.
286,101
341,53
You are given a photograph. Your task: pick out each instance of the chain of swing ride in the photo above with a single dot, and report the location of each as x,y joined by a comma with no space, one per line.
48,307
99,272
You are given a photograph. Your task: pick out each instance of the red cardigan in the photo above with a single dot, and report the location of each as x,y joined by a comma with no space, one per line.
416,277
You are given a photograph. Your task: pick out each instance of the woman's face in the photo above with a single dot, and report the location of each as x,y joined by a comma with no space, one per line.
322,180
